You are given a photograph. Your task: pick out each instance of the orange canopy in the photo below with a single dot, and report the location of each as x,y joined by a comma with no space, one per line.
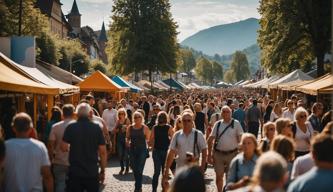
100,83
11,80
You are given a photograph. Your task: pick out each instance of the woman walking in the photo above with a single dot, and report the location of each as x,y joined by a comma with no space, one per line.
160,141
136,139
242,166
121,125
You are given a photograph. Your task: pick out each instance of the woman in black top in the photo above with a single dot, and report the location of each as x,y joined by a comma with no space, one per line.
136,136
201,119
160,141
121,125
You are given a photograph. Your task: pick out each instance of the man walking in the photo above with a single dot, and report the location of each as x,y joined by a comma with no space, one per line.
110,117
226,135
188,144
254,118
27,163
57,156
86,143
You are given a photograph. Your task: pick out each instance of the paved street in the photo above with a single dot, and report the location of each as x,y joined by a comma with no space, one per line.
125,183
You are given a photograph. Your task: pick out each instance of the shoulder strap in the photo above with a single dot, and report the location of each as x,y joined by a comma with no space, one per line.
217,129
195,140
225,129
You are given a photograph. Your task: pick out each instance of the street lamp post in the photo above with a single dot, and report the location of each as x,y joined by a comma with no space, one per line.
71,67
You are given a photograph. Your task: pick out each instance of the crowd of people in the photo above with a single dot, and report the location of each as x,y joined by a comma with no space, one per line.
252,142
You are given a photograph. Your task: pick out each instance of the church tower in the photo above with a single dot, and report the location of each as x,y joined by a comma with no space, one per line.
74,19
102,40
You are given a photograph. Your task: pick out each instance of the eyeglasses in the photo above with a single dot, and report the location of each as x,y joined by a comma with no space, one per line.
137,117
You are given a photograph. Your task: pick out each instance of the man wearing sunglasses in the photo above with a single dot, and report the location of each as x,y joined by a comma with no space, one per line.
188,144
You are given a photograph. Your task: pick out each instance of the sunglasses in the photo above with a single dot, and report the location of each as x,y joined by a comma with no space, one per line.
187,120
137,117
302,116
121,113
225,111
271,129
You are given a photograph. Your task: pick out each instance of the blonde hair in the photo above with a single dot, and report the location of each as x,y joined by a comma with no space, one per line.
299,111
140,114
253,139
121,110
281,123
197,107
176,127
266,125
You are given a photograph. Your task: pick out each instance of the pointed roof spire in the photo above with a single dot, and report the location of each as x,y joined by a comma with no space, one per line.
102,35
74,10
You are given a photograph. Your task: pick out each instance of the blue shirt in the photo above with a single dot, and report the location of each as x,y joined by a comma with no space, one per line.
244,168
314,180
239,114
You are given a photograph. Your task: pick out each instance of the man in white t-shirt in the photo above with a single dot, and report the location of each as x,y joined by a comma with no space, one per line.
27,163
289,113
189,144
110,118
226,135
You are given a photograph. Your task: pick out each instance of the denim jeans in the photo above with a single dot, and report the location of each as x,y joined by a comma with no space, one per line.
138,157
60,174
123,154
159,157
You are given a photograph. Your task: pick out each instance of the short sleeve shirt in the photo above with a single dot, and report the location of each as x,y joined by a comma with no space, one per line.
229,140
84,138
56,135
183,143
23,162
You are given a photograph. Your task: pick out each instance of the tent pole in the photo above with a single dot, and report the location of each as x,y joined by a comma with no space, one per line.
35,110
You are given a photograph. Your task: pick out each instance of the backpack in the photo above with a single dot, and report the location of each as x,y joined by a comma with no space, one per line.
195,144
217,137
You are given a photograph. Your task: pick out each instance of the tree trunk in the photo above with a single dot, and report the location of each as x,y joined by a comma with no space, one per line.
151,80
320,64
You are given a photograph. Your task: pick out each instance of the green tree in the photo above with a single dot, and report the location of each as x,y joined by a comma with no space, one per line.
98,65
72,53
229,76
292,33
203,70
47,49
217,71
187,61
33,21
240,66
142,37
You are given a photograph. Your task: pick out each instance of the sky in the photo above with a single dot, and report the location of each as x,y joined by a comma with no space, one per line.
190,15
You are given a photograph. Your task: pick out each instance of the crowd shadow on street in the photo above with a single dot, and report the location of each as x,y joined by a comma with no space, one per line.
130,177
